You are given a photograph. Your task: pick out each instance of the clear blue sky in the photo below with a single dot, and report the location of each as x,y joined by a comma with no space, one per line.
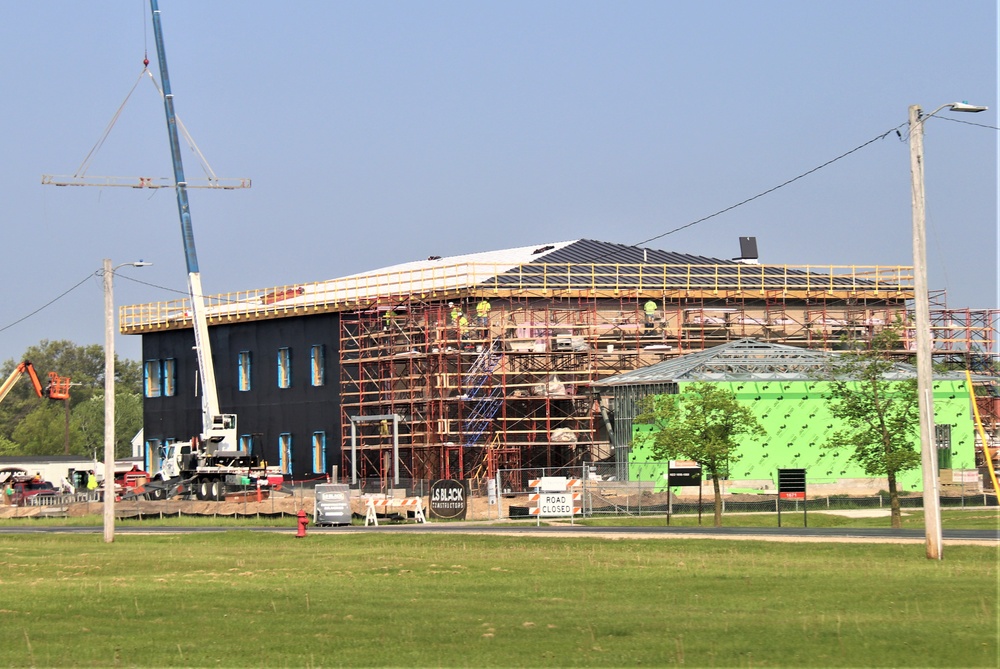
384,132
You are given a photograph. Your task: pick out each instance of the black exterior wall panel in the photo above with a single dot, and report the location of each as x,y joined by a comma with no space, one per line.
265,411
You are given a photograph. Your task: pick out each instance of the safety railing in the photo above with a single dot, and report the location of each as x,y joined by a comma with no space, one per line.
437,282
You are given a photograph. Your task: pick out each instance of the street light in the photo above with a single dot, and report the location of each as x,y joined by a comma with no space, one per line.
928,447
109,395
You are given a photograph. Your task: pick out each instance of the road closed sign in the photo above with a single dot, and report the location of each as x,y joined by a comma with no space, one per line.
555,504
554,497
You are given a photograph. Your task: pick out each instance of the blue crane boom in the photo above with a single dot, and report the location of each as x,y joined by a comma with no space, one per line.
219,431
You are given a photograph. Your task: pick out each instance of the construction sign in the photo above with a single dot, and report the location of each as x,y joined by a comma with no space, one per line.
554,499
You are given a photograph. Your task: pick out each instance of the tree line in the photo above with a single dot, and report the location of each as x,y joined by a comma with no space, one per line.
30,425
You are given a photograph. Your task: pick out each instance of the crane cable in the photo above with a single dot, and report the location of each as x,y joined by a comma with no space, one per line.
81,171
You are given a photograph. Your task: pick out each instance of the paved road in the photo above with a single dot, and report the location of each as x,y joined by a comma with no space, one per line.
525,530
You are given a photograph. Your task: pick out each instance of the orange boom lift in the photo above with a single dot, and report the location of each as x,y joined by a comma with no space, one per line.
57,388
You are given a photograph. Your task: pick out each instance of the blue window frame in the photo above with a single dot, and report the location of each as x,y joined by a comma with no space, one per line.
284,368
168,376
159,378
151,378
243,371
285,452
319,452
154,455
317,365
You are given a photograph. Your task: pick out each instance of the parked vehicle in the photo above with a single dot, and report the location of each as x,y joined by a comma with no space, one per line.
27,489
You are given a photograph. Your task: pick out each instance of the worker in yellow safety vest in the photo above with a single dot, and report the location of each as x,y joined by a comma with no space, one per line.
483,312
650,309
456,313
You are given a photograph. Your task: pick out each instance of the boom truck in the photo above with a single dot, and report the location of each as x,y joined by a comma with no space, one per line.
213,462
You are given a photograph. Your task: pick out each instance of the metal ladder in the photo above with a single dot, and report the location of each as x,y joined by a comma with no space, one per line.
484,405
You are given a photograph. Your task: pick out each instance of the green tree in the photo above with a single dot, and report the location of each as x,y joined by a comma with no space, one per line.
43,431
705,423
881,413
87,424
8,447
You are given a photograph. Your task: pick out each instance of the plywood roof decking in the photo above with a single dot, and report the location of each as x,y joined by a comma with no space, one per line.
580,268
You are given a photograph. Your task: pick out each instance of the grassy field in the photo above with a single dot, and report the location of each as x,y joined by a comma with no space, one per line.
974,518
249,599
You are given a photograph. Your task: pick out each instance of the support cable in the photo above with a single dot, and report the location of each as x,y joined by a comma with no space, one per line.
79,177
52,301
637,245
81,171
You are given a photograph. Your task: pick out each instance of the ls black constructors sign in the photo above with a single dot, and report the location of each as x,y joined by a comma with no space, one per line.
448,499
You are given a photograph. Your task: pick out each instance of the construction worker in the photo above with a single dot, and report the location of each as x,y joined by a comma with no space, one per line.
650,309
91,481
463,326
456,313
387,320
483,312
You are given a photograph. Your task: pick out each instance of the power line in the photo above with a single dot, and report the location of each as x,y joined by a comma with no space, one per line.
771,190
49,303
978,125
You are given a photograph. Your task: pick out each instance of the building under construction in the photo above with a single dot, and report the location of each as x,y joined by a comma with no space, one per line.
457,367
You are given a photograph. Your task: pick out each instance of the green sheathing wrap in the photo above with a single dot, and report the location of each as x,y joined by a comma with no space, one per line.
797,421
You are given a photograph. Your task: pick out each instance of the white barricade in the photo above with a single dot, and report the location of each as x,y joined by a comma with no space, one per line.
375,505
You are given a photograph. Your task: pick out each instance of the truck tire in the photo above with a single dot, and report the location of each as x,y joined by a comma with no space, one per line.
203,490
217,490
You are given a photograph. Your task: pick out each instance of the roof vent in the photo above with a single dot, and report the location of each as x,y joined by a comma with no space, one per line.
542,249
748,251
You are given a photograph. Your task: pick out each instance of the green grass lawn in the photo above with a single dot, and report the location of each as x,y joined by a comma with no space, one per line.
974,518
336,599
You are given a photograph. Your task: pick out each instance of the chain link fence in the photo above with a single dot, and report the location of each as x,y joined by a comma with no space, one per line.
639,489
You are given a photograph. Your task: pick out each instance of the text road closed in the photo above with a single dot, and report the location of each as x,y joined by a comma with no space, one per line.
555,504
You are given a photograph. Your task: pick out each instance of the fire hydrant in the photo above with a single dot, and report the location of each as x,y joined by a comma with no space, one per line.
303,521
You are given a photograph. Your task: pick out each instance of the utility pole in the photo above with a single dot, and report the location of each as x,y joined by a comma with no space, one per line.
922,325
109,395
109,403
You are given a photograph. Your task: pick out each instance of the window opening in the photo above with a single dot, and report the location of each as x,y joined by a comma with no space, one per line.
942,438
154,455
317,360
319,452
168,373
151,378
284,368
285,452
243,370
